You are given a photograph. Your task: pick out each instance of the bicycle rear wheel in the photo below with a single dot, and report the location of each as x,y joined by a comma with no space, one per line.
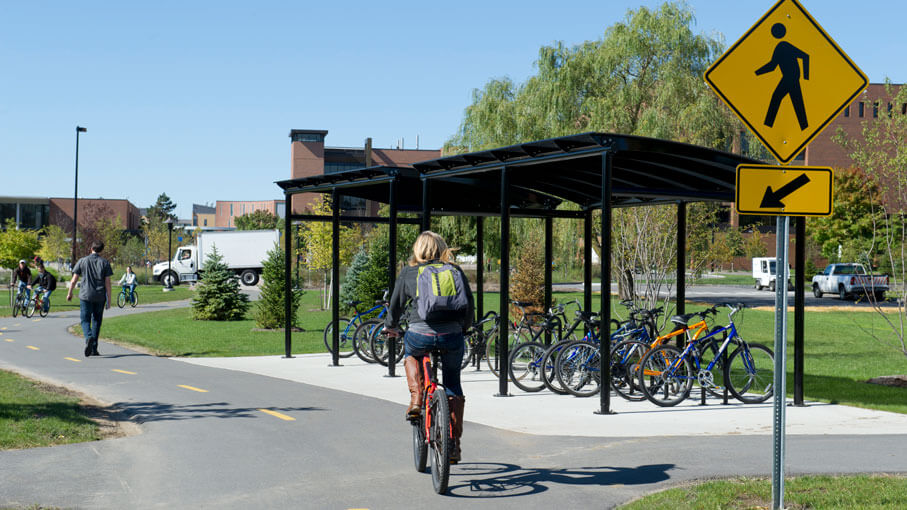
346,337
577,369
526,366
469,343
362,339
440,441
666,376
420,447
750,373
121,299
625,361
45,306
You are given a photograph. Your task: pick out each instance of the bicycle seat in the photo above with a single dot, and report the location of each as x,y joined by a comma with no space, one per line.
682,320
523,304
585,315
352,303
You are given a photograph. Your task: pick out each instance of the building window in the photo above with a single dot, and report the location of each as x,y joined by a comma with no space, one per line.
847,111
231,205
875,110
861,109
904,109
206,224
889,109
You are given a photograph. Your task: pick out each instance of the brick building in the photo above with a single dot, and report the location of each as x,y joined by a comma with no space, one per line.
310,157
203,215
93,209
227,210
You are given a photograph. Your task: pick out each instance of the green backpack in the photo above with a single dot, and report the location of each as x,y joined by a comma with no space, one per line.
440,291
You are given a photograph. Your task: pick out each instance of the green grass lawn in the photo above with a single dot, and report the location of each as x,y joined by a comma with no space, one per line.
33,416
840,353
819,492
147,294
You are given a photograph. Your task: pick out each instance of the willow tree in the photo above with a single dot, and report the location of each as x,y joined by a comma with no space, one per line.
643,77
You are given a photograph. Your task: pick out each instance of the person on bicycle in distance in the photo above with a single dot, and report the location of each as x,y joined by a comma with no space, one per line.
23,275
128,281
443,330
43,282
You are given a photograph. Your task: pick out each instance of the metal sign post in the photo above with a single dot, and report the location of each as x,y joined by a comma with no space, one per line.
780,383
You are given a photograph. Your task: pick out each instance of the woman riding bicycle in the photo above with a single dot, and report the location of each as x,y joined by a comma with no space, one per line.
441,330
128,282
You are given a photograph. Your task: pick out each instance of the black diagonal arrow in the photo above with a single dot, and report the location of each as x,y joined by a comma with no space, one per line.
773,198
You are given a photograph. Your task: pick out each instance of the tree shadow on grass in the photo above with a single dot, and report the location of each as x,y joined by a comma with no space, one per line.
143,412
499,480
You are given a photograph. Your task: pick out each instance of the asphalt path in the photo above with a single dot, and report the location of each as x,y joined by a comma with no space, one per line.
226,439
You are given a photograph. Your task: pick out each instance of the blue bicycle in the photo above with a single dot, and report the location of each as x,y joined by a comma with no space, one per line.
351,329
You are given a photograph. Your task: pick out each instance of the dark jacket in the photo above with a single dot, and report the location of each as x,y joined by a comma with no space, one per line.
45,280
405,292
21,274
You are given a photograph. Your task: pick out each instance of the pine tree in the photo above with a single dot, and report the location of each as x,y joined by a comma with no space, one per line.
349,289
218,296
270,312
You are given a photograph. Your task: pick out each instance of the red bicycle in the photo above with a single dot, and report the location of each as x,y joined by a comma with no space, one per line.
432,432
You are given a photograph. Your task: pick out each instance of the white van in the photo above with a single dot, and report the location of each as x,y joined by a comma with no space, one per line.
764,274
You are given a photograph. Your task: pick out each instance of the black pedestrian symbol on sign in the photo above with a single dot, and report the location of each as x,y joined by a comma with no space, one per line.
786,57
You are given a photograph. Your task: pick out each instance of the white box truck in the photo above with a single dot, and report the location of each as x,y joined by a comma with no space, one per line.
764,274
244,252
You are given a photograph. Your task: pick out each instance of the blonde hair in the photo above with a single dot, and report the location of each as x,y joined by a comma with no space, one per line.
429,246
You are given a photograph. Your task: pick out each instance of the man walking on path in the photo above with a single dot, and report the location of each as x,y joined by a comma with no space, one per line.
94,295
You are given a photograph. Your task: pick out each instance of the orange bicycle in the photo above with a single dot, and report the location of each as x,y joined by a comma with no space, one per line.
432,432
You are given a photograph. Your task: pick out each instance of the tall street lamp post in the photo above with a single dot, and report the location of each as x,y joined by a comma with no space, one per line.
169,279
75,200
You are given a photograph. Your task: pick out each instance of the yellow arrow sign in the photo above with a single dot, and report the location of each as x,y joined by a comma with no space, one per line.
786,79
784,190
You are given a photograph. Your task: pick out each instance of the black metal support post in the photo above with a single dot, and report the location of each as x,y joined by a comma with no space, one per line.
799,309
392,271
75,201
681,282
426,205
504,333
605,316
287,284
549,228
480,267
587,261
335,276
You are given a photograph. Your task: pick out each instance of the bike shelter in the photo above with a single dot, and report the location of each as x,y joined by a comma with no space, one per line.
592,170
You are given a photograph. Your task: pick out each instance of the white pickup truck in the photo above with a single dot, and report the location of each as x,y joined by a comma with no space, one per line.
849,279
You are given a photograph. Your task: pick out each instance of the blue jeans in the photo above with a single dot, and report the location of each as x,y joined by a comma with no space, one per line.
92,312
130,287
23,288
420,345
46,298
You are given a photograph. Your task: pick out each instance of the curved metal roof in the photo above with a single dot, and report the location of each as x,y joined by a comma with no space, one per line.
544,173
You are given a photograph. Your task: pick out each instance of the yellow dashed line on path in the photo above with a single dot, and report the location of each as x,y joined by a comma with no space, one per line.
32,347
9,339
278,415
35,320
192,388
73,359
15,325
122,371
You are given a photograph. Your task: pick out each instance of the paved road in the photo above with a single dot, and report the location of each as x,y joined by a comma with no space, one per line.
228,439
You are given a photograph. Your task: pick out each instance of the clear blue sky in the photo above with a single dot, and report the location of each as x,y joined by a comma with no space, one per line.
196,99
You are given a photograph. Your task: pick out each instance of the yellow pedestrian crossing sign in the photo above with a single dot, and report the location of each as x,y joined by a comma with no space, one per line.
786,79
784,190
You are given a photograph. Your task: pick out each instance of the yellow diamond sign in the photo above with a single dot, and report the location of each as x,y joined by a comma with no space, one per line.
784,190
786,79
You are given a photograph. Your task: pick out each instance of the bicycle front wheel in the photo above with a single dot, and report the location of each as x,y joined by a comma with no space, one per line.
121,299
29,308
666,376
525,367
346,337
16,304
362,339
750,373
379,347
439,440
549,367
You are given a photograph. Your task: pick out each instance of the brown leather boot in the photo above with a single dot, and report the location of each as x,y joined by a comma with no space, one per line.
456,405
414,381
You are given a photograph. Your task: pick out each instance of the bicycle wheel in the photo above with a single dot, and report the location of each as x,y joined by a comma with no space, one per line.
45,306
378,344
16,304
439,440
666,376
625,360
29,308
577,369
121,299
750,373
135,299
361,339
525,366
346,337
469,344
714,380
549,364
420,447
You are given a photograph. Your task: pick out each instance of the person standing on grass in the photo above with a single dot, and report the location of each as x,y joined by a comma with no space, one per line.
94,295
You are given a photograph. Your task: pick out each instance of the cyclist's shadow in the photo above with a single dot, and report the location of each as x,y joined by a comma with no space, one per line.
497,480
